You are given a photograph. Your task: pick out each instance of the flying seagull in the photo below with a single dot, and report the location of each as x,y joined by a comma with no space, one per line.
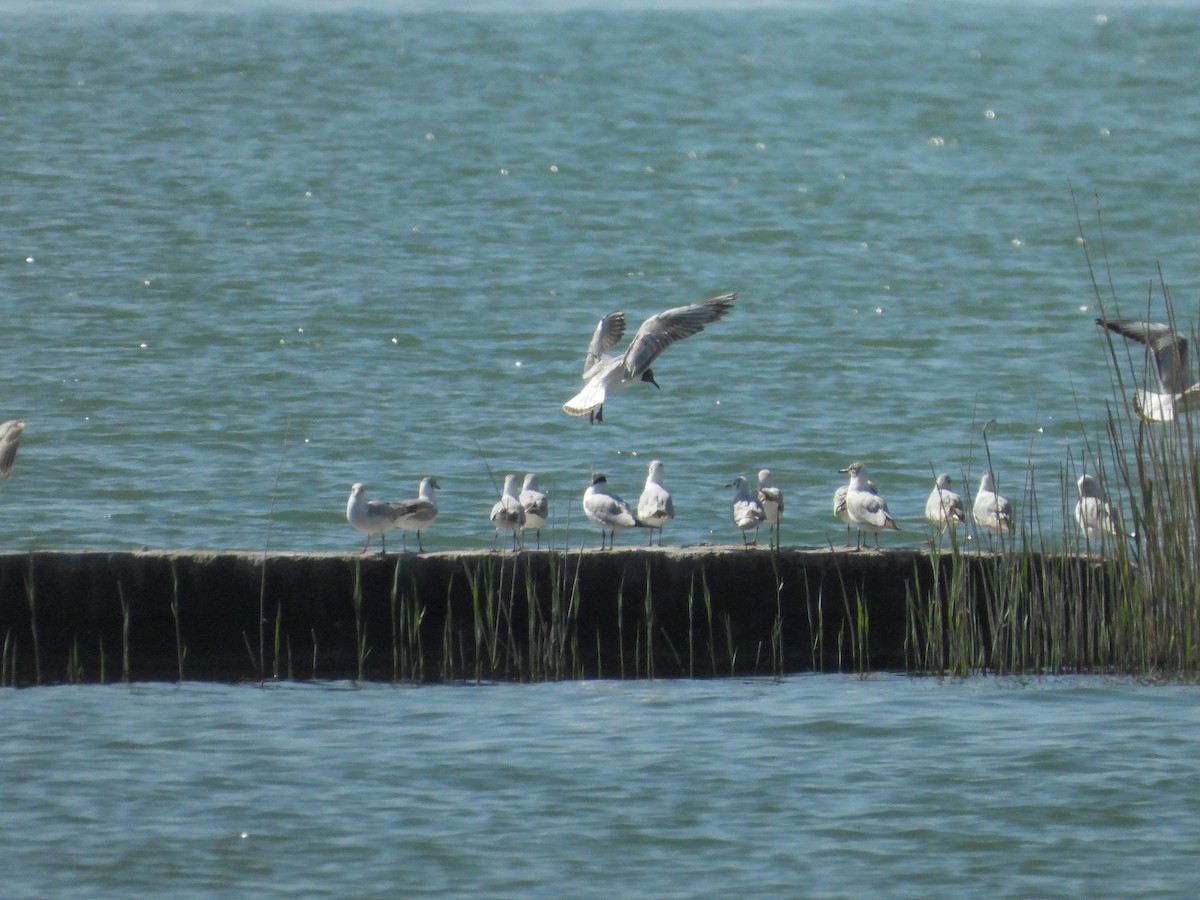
1178,393
604,372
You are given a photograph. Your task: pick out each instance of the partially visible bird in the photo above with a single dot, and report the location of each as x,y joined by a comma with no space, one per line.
944,508
840,511
991,510
605,373
537,507
655,506
1094,514
507,513
770,498
10,439
745,511
1177,390
607,510
865,507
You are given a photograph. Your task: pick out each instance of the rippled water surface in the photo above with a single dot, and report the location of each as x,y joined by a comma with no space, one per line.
815,786
256,253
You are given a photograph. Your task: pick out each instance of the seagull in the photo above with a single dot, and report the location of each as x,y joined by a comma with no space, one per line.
1177,391
607,510
746,511
655,507
604,372
840,511
770,498
1095,515
507,513
10,439
418,514
537,507
991,510
371,516
864,506
944,508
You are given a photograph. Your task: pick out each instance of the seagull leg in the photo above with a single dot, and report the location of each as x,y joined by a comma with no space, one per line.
383,542
420,546
364,549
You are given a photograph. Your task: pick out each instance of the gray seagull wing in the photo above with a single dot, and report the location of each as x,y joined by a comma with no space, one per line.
666,328
1168,346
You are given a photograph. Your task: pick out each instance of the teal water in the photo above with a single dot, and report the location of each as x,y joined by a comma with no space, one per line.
818,786
256,252
252,257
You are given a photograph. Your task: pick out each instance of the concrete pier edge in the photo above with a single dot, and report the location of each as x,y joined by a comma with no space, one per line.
707,611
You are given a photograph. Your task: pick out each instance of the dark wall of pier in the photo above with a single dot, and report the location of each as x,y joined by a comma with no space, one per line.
448,616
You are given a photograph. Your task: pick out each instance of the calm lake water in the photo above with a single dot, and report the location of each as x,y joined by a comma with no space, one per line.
815,786
254,253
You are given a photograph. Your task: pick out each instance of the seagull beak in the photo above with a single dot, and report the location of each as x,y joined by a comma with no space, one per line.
648,375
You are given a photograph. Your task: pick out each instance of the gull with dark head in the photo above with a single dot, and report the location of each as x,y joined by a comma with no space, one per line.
1177,391
944,508
10,439
655,506
604,373
745,511
507,513
607,510
867,510
536,505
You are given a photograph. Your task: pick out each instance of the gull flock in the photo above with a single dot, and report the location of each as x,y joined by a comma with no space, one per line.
857,502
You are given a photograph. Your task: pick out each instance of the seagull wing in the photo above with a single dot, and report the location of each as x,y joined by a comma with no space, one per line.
662,330
608,334
1168,346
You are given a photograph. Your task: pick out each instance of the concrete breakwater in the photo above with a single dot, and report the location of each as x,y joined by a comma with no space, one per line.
697,611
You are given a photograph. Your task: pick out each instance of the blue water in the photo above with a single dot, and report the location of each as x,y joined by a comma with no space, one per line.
817,786
254,253
253,257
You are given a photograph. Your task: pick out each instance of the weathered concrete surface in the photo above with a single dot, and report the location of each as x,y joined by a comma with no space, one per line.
699,611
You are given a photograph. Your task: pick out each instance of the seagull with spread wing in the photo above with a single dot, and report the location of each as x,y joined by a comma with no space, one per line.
1178,392
604,373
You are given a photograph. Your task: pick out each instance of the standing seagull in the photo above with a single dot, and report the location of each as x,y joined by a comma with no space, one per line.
655,506
770,498
944,508
864,506
1178,393
991,510
419,513
507,513
537,507
603,372
746,511
10,439
370,516
1095,515
607,510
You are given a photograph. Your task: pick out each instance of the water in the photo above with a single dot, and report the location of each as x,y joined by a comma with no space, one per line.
254,256
815,786
256,252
